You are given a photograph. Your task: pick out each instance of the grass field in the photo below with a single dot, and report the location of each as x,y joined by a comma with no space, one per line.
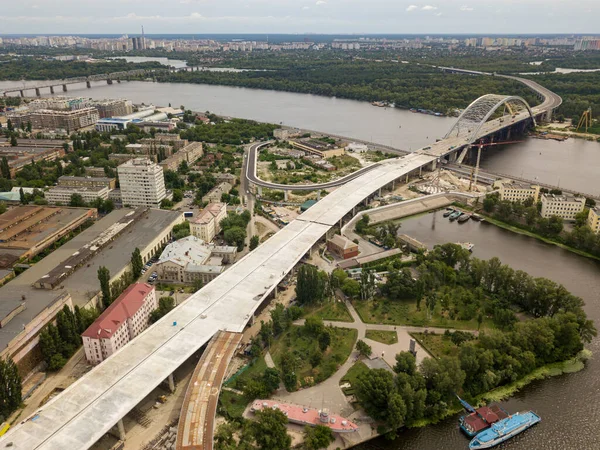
301,344
436,344
385,337
404,312
332,310
352,375
232,405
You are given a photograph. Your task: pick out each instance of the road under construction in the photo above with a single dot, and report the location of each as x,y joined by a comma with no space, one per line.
98,401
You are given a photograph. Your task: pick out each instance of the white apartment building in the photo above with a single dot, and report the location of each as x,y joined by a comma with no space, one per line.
122,321
142,183
208,223
565,206
514,191
62,194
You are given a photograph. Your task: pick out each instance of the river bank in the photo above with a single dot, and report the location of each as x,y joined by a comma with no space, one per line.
524,232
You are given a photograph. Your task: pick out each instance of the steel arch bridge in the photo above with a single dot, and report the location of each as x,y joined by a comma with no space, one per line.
478,113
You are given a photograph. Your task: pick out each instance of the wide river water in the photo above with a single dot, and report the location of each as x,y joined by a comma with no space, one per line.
567,404
572,164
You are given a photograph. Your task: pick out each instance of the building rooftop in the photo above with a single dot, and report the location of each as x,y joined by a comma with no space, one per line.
83,284
188,250
136,162
564,197
76,189
123,308
211,211
342,242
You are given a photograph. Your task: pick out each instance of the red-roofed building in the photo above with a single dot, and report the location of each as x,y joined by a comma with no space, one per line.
123,320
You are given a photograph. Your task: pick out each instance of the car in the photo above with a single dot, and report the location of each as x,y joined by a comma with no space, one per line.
154,274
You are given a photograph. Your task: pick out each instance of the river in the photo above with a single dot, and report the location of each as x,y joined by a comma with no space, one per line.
568,403
574,161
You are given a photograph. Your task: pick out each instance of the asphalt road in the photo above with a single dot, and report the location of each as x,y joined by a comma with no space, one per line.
251,162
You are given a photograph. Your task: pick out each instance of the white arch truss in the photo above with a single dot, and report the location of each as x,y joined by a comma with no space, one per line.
478,113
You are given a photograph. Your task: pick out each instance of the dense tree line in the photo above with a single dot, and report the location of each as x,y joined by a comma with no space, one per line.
30,68
10,388
407,85
59,342
234,228
233,131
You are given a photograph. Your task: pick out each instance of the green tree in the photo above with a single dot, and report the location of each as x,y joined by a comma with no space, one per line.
104,278
270,379
22,196
136,263
235,236
10,387
28,126
351,288
177,195
310,286
314,326
363,348
2,207
5,168
254,241
270,431
324,340
318,437
405,363
77,200
13,141
165,305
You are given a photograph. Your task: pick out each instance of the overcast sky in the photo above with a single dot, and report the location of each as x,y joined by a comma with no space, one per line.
299,16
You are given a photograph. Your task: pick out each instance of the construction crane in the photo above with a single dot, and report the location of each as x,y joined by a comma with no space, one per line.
585,120
475,170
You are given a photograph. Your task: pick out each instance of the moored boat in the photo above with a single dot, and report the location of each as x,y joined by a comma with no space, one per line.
476,217
481,418
455,215
308,416
448,212
464,218
504,429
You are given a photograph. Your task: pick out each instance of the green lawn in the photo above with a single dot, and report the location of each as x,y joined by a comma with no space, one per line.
385,337
232,405
332,310
436,344
254,370
404,312
352,375
302,345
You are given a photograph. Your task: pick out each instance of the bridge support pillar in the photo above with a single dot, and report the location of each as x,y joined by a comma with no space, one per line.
64,88
52,89
121,428
171,381
433,165
22,93
393,185
421,171
260,190
37,92
88,84
379,192
285,195
354,211
406,178
318,195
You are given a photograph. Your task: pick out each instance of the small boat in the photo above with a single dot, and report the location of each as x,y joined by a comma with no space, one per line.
476,217
448,212
504,429
455,215
480,419
464,218
466,245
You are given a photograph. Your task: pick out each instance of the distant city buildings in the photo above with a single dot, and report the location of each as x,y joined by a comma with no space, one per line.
566,206
188,154
62,194
121,322
142,183
214,195
55,119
